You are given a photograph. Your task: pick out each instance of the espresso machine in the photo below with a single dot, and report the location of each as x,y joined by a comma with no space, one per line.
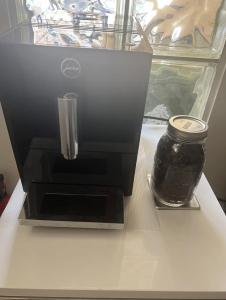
74,117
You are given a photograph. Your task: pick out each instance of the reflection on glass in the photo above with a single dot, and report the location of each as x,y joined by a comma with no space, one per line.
82,23
185,28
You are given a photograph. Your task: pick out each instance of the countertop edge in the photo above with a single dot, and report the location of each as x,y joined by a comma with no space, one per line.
109,294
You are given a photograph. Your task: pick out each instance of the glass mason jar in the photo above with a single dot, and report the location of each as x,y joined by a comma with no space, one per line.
179,161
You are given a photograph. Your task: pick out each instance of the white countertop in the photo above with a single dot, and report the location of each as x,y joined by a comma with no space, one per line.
159,254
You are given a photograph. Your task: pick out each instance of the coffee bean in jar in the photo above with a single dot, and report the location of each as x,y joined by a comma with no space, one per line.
179,160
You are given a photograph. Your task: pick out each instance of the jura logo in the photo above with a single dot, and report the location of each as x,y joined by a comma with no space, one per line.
70,68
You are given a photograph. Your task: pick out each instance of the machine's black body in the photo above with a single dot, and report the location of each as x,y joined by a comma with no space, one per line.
111,90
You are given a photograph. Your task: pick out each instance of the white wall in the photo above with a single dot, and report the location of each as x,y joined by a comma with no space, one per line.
7,161
215,169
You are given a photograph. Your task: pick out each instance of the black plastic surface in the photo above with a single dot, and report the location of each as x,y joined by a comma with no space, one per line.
111,89
74,203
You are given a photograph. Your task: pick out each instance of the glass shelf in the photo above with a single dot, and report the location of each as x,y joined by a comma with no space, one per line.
82,36
178,87
91,24
180,27
75,12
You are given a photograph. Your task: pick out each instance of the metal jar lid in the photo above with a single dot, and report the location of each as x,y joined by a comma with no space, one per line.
187,129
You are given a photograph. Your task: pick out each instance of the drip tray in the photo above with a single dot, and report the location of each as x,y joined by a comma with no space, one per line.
73,206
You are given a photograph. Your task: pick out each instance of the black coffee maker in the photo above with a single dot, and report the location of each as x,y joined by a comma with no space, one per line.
74,117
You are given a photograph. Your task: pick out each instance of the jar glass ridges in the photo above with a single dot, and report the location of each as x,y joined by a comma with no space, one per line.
179,161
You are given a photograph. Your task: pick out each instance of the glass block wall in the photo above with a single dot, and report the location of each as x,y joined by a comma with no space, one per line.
186,38
182,28
178,87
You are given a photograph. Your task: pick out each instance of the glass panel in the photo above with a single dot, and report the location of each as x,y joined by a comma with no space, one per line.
20,11
178,87
11,14
180,27
81,23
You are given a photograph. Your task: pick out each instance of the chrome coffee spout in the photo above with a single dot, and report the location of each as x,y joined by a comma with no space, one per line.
68,122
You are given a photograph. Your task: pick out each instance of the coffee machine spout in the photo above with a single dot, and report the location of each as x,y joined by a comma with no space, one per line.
68,125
